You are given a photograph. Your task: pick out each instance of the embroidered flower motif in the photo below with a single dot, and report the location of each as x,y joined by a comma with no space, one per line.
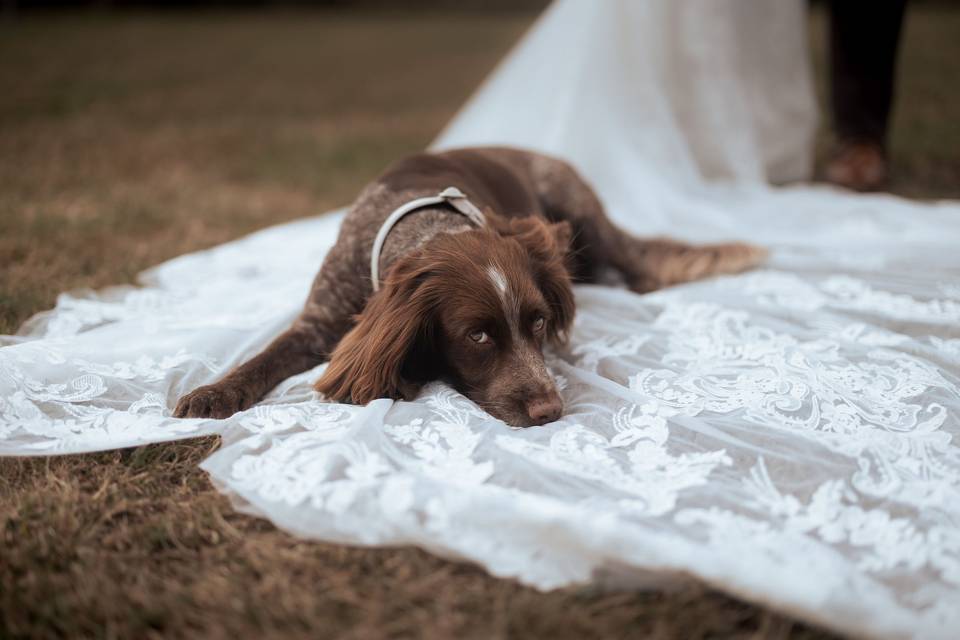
768,430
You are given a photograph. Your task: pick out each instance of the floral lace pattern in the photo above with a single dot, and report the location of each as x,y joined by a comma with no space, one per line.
788,436
772,413
720,432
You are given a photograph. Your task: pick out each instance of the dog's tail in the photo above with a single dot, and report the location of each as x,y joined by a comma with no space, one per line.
663,262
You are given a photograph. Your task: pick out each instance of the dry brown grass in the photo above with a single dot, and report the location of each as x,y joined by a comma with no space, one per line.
128,140
125,141
136,543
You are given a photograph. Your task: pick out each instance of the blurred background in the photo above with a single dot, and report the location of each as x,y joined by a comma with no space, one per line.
132,131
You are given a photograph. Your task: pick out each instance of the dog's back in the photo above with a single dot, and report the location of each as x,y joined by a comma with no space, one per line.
505,184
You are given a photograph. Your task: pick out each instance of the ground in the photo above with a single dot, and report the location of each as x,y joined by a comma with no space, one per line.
129,139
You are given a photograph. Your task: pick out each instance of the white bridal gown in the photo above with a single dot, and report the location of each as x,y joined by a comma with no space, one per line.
788,435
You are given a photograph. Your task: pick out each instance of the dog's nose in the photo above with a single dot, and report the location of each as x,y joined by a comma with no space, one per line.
545,409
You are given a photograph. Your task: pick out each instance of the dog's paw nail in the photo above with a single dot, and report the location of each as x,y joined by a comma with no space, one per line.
212,402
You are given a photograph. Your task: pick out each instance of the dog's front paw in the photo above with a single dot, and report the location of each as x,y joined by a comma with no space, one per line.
219,401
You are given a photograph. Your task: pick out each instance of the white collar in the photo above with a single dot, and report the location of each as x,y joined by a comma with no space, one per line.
450,195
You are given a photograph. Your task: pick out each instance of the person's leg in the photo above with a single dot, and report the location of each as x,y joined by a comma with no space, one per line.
863,51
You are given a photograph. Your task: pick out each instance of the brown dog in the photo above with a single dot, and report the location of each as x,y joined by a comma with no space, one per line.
470,305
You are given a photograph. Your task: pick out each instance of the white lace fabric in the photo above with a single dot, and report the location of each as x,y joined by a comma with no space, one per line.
788,435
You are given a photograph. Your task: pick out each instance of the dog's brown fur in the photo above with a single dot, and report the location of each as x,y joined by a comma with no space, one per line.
418,329
447,283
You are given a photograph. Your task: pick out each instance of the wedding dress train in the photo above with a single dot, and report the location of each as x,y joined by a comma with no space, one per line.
787,435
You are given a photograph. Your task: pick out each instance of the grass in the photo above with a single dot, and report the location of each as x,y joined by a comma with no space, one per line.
136,543
129,139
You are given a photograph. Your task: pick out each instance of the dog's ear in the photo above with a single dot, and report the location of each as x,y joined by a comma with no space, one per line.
548,246
374,359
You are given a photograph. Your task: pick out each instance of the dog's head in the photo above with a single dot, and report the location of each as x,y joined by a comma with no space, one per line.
474,308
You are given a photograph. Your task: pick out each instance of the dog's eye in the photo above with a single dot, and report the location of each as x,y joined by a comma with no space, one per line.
539,323
480,337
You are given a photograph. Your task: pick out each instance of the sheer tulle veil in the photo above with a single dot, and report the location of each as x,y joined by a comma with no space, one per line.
786,435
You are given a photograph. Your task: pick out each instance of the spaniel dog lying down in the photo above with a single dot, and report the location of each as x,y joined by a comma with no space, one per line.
479,247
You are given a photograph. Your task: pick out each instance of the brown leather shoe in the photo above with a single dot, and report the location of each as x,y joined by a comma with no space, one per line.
861,166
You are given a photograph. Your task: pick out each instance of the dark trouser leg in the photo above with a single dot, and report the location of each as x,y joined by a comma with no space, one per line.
863,49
